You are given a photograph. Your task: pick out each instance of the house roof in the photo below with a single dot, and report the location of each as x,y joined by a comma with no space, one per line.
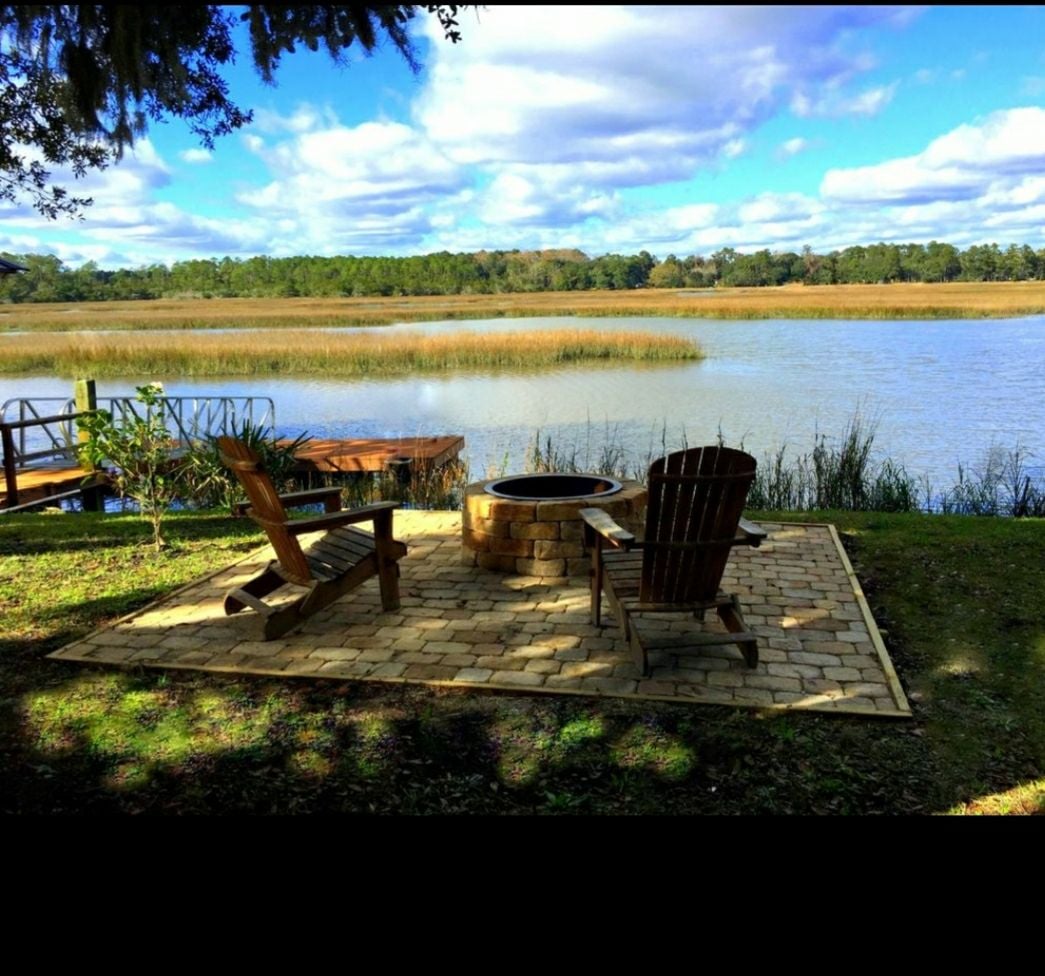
9,267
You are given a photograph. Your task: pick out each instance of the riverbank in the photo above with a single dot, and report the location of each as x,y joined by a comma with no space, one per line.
957,300
330,354
963,628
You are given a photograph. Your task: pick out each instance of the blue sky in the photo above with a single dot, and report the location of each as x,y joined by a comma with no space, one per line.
671,129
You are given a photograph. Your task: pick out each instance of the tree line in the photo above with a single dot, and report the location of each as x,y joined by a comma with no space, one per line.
48,279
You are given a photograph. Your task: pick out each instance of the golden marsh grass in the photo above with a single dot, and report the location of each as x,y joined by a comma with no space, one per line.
896,301
332,354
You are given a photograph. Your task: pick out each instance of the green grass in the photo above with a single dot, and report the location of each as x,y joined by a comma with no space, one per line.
333,354
962,602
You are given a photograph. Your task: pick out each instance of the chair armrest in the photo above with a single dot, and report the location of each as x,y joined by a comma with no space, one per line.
299,498
751,533
333,520
603,525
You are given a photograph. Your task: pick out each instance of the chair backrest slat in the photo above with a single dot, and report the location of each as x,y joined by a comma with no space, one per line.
265,506
696,498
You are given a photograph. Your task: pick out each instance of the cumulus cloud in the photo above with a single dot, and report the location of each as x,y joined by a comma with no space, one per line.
354,188
701,76
959,165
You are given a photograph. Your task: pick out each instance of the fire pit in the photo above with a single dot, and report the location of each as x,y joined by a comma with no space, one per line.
528,524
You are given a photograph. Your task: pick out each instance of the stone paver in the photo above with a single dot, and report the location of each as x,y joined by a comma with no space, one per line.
819,646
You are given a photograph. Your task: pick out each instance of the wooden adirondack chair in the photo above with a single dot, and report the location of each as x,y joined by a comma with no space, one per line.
341,560
692,521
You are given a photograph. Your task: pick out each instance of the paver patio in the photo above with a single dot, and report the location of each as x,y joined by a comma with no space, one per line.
462,626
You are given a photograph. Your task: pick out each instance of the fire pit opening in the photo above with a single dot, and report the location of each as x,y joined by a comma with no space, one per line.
552,487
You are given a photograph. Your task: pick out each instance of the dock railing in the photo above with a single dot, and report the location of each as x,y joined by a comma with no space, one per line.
42,429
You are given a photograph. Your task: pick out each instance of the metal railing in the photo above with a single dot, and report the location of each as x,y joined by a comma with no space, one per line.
11,456
43,427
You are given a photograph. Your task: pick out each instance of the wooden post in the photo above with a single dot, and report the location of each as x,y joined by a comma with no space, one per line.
10,471
86,400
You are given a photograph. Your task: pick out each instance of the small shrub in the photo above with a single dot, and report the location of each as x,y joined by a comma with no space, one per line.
139,450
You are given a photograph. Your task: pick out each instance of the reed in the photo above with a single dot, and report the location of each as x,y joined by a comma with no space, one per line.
230,354
955,300
843,473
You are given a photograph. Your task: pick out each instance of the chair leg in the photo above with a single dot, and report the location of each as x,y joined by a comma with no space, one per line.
596,584
596,601
638,652
731,617
388,581
387,566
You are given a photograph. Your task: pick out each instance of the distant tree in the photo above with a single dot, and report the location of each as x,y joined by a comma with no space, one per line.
980,262
942,262
670,273
78,82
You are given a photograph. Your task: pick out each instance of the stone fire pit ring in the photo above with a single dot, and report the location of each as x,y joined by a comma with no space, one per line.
528,524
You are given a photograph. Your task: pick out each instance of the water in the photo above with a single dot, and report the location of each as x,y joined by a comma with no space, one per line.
942,392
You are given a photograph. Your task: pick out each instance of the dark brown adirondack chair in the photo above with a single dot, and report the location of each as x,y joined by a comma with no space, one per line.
692,521
341,560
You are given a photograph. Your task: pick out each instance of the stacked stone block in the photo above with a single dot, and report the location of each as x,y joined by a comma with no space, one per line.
538,538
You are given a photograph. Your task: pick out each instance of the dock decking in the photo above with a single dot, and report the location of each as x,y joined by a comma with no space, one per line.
372,455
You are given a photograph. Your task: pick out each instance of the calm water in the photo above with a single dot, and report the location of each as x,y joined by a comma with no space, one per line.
941,391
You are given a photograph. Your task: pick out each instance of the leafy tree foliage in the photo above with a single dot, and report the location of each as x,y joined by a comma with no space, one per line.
78,82
490,272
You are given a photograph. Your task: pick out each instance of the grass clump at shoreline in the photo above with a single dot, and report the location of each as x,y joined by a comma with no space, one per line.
964,628
954,300
300,352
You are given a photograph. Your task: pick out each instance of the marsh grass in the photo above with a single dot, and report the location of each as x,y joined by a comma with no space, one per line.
956,300
300,352
838,473
1003,483
843,473
425,486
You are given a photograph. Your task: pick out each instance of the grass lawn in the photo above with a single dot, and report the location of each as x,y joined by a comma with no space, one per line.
962,601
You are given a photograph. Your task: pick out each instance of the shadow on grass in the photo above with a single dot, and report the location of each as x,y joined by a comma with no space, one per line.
191,744
967,633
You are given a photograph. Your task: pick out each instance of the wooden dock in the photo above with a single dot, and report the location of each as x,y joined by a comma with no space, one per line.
349,456
365,455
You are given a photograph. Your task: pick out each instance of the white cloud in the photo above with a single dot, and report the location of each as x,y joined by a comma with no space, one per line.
959,165
834,103
195,156
734,148
792,147
305,118
532,88
354,189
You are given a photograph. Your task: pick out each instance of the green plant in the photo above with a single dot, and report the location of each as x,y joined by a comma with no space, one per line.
140,450
207,483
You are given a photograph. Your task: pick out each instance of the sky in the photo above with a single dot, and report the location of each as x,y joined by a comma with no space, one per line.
672,129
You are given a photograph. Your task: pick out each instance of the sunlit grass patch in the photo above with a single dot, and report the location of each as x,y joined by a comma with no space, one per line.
1026,798
652,749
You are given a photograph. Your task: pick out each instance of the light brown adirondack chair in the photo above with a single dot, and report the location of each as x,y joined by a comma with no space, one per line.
341,560
692,521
